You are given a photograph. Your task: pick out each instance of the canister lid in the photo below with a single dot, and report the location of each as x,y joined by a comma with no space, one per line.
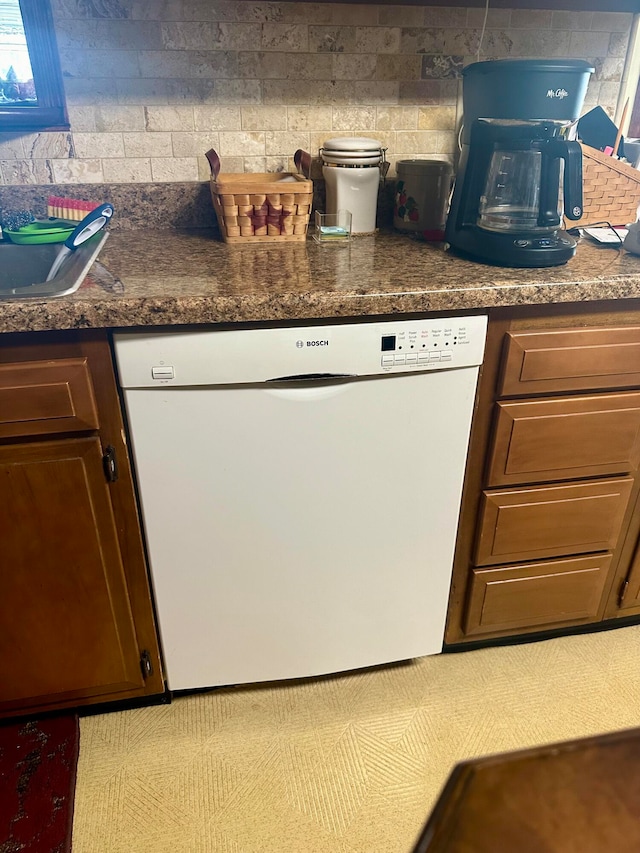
342,158
352,144
423,167
352,151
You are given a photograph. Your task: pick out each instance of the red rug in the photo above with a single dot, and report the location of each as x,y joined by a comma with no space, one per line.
37,784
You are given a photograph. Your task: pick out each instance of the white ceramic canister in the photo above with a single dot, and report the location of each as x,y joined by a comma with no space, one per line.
352,168
422,197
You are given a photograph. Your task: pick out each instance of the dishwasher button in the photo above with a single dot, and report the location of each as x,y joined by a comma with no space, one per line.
399,359
446,356
387,360
434,356
423,356
162,373
412,358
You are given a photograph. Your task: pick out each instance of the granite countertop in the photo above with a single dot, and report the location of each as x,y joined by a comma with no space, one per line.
155,278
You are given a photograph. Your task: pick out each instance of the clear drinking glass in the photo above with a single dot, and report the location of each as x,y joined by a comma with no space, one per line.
511,197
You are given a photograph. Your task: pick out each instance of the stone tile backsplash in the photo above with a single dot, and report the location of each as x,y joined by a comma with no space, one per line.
152,85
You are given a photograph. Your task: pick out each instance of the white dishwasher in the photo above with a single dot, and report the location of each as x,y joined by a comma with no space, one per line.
300,490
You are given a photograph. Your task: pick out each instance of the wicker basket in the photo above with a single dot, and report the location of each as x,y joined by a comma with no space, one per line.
611,190
262,208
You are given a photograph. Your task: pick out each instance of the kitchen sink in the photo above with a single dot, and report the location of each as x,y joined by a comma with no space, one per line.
24,269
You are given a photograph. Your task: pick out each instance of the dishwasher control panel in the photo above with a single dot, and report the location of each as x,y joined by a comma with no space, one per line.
156,359
426,345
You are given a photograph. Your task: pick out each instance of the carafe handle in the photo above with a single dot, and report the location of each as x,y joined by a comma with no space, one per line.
554,151
573,208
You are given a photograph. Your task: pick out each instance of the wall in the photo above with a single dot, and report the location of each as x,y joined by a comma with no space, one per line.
151,85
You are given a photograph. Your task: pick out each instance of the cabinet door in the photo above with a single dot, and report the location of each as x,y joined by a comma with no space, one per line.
512,599
565,438
627,594
67,629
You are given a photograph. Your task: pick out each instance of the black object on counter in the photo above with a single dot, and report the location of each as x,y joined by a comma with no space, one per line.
507,204
596,130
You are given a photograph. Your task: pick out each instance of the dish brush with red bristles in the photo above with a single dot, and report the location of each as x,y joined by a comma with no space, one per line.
74,209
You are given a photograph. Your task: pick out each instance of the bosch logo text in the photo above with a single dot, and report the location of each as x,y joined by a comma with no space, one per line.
317,343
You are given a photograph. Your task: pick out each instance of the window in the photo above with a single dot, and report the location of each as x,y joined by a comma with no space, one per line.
31,90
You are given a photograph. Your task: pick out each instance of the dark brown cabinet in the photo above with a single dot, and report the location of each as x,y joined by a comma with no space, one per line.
75,606
550,525
64,573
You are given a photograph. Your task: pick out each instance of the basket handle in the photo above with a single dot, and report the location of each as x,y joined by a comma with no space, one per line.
302,159
214,162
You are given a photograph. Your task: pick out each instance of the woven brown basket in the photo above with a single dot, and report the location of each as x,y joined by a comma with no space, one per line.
611,190
262,208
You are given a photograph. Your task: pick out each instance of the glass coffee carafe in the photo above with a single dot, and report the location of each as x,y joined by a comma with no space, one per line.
523,190
511,198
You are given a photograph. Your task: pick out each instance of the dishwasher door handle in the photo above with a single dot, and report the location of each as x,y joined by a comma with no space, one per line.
315,377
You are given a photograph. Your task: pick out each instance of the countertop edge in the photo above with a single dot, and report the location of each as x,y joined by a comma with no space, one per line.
190,279
40,316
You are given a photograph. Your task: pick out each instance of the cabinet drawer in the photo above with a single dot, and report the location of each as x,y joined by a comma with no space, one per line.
551,521
568,360
46,397
565,438
511,598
